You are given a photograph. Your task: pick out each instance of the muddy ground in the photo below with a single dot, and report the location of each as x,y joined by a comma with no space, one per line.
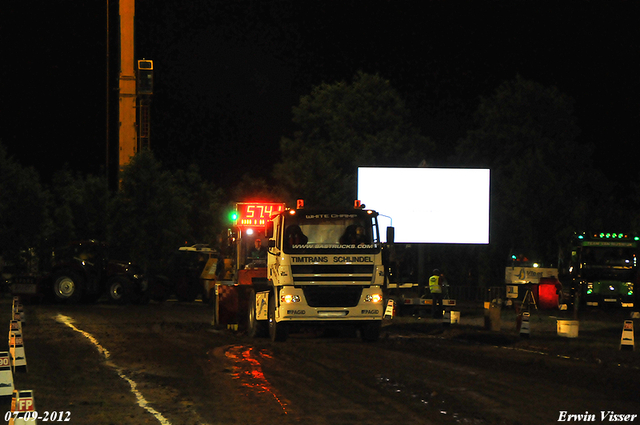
166,363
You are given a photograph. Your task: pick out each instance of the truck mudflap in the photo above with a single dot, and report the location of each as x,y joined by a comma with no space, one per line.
262,303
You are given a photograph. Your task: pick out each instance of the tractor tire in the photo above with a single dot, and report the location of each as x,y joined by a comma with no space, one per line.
277,331
67,287
119,290
255,328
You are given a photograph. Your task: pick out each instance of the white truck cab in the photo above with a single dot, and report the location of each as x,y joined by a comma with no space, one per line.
323,267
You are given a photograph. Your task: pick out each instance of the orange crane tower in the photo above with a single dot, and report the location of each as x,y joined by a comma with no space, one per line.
128,138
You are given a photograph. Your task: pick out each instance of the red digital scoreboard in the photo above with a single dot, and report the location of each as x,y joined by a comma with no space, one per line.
256,214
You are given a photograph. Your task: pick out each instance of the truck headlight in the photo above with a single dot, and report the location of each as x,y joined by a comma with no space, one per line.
288,299
373,298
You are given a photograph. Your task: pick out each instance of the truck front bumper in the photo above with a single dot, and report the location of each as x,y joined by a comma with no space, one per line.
293,306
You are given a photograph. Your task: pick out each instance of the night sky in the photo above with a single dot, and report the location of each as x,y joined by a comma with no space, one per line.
227,73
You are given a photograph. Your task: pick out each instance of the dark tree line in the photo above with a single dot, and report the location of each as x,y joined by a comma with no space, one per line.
153,213
343,126
543,184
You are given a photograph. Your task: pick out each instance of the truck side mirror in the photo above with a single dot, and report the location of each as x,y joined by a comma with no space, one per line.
269,230
391,234
272,243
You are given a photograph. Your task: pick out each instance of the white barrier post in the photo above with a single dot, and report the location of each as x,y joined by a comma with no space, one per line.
389,311
14,327
18,356
525,330
626,340
23,406
6,376
23,316
446,317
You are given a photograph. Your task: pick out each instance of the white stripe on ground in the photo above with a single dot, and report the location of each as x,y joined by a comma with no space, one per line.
141,400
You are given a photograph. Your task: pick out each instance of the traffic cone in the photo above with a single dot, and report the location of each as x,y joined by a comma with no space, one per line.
626,340
18,356
524,326
23,408
6,376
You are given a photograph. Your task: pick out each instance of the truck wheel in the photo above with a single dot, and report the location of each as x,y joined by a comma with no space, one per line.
67,287
370,331
255,328
119,290
277,331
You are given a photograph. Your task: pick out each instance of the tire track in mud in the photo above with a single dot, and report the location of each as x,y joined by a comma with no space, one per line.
142,402
343,380
159,369
300,387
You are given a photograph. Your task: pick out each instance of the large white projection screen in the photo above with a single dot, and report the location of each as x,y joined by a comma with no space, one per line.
429,205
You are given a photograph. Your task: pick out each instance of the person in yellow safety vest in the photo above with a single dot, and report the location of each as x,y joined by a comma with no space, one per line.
435,287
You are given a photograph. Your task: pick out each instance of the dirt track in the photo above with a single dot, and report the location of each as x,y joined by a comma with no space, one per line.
419,372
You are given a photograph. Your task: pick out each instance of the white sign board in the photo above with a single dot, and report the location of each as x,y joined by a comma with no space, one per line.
429,205
527,274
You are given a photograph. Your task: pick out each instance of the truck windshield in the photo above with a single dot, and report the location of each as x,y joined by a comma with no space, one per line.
608,262
305,232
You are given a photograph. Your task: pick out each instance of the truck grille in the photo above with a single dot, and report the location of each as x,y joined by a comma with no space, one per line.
332,296
339,285
334,273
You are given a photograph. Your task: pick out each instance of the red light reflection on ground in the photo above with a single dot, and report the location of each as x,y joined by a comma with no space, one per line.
248,370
